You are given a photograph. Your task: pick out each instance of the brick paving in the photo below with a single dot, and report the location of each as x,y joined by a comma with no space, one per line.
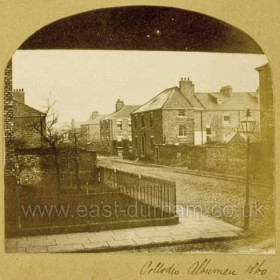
191,228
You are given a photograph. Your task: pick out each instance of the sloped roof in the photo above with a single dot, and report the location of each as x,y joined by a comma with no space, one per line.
237,101
94,121
23,110
122,113
241,138
169,98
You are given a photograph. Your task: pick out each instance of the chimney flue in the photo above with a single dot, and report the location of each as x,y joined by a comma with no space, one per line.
19,95
226,90
119,104
186,87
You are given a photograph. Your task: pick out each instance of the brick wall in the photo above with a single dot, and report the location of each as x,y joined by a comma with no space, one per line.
8,121
267,110
149,131
220,131
25,118
110,134
24,135
164,129
91,132
125,132
171,122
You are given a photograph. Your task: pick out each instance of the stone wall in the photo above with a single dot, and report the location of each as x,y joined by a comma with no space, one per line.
222,158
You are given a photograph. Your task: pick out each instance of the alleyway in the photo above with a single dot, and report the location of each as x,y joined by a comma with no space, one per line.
223,199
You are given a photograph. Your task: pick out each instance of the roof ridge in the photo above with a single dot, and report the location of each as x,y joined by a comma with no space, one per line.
150,100
170,95
115,113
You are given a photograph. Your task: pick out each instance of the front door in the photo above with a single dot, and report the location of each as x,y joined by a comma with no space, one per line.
157,154
143,146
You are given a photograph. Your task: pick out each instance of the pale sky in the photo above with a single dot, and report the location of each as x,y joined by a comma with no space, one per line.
82,81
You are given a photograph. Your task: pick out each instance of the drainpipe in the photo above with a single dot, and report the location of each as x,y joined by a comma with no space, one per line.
201,126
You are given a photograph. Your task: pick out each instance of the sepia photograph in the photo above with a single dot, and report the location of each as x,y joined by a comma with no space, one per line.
139,129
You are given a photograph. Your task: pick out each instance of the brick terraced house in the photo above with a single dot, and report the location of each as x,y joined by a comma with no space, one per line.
90,130
115,129
24,118
181,116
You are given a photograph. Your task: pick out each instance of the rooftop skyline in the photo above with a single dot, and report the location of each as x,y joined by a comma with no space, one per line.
85,81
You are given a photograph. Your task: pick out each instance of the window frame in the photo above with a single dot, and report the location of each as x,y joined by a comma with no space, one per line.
135,121
152,143
181,111
151,119
184,127
229,119
143,121
121,127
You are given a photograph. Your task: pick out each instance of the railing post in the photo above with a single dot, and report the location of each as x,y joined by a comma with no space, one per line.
168,202
99,174
139,187
115,179
175,198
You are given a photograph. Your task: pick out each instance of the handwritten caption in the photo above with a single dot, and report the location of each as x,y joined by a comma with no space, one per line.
204,267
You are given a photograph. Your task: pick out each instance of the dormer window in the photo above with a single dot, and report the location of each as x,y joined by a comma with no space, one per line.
181,113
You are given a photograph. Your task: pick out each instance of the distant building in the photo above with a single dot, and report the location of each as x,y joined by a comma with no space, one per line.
115,129
181,116
25,117
90,130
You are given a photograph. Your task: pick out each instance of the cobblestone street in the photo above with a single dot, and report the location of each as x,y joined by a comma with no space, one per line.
217,197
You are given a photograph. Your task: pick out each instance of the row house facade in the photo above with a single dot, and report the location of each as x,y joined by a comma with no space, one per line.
115,129
181,116
90,130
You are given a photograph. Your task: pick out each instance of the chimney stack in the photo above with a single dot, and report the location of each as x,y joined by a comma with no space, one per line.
19,95
186,87
226,90
119,104
94,115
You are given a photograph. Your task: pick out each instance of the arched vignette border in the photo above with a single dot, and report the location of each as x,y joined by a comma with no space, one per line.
142,28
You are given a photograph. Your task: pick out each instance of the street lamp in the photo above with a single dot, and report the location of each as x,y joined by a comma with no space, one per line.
248,125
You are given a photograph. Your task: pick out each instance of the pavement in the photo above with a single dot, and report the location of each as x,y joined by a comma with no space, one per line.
193,227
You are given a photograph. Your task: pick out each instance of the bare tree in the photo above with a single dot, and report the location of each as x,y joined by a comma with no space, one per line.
74,142
50,135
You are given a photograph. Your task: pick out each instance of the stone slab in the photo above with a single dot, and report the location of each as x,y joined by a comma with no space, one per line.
191,228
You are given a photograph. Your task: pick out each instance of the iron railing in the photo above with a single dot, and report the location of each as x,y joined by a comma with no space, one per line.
150,190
